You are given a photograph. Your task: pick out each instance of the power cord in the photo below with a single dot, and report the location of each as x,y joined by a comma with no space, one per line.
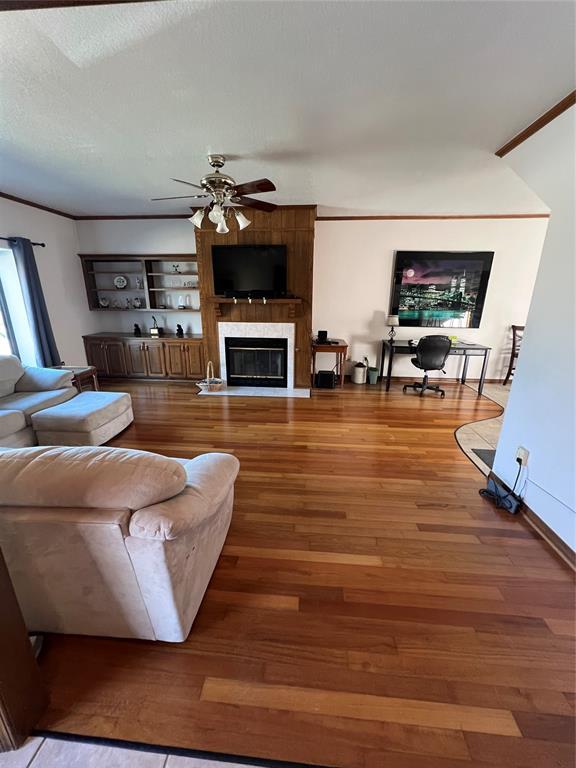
493,494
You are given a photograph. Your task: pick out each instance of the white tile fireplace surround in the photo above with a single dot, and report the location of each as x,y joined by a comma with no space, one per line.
260,331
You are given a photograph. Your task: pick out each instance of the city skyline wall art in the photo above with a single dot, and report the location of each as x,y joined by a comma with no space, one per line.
440,289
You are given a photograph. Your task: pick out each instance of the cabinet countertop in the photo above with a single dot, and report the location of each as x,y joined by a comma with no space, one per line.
125,335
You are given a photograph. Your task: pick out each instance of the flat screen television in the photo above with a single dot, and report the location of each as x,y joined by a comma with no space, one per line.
249,270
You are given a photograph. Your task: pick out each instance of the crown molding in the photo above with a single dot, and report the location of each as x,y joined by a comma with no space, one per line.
32,204
538,124
436,217
34,5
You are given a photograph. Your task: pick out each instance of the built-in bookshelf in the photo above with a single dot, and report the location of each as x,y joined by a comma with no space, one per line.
141,283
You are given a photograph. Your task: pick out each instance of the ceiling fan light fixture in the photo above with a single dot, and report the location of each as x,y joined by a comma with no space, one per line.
243,222
216,214
197,218
222,227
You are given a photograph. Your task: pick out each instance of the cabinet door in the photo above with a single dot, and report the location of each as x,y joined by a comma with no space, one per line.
136,358
115,358
155,364
194,360
96,356
175,357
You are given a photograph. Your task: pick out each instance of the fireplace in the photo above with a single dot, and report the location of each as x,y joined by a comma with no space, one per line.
256,362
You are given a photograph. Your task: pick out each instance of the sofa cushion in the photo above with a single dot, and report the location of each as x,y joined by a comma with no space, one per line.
30,402
111,478
40,379
11,370
84,413
11,422
210,479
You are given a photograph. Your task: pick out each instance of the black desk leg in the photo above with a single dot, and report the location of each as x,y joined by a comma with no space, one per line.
483,373
382,355
389,372
464,369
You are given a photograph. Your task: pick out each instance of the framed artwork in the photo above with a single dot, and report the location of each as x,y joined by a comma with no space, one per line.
440,289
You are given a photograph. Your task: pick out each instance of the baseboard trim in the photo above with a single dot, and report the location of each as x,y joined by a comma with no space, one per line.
139,746
550,537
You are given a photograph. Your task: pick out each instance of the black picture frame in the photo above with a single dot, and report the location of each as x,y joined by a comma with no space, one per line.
447,289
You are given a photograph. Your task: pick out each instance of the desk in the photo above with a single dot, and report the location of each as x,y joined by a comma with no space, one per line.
459,348
340,349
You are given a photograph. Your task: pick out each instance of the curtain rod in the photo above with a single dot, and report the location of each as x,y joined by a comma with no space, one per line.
8,239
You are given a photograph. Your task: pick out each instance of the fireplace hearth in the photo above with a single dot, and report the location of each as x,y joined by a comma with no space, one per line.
256,362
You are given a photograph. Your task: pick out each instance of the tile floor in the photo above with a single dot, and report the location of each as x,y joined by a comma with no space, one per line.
55,753
484,434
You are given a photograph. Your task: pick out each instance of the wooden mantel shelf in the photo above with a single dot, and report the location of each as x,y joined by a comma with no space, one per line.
291,303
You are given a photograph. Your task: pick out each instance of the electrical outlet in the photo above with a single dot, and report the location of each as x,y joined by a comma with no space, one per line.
522,455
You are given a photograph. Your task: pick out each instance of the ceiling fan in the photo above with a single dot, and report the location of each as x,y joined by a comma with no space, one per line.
222,192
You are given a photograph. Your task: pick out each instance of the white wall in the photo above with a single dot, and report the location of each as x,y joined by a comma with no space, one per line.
353,265
541,410
140,236
60,272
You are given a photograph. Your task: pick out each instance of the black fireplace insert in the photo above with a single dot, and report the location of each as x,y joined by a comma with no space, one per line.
256,362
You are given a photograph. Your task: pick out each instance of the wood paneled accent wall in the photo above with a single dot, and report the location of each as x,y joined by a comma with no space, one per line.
292,226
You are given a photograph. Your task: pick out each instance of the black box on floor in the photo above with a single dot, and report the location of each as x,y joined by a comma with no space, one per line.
325,379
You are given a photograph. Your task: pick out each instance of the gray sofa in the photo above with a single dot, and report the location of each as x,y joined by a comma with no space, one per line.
25,390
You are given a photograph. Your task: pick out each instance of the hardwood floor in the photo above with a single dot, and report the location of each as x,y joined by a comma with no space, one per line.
370,609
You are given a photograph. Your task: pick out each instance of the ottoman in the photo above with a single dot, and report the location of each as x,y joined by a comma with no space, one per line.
90,418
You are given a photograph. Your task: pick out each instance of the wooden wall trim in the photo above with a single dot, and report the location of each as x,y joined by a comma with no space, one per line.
32,5
550,537
32,204
436,216
547,117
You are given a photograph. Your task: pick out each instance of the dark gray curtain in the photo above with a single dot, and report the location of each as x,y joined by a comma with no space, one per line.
46,349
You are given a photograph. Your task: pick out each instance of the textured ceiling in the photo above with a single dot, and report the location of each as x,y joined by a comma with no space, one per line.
365,107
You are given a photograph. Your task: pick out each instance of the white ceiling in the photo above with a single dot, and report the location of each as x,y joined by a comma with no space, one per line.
361,107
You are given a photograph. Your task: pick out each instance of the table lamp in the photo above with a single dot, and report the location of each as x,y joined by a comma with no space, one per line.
393,322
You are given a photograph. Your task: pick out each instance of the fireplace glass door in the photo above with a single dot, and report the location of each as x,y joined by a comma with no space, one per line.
256,362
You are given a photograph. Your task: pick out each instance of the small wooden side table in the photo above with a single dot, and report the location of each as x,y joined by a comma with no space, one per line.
83,376
338,348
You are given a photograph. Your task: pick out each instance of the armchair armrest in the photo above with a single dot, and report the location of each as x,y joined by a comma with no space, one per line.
210,480
43,379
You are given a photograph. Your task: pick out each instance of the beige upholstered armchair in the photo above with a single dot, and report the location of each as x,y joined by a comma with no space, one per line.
107,541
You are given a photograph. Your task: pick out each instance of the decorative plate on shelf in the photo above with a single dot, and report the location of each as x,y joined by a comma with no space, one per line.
120,281
103,302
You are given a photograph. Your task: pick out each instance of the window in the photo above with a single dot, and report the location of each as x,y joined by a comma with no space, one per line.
15,333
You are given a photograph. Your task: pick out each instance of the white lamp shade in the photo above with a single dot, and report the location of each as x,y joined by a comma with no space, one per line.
197,218
243,222
222,227
393,321
216,214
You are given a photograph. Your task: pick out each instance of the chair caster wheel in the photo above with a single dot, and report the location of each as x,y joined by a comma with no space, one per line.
442,395
404,389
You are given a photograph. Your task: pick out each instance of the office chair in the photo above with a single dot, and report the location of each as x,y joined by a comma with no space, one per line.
431,354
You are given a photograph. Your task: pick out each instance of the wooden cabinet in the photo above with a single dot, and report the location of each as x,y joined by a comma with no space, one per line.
175,357
145,358
136,358
106,356
194,361
184,359
96,355
115,359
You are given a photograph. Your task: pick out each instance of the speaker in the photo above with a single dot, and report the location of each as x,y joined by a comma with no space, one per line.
325,380
322,337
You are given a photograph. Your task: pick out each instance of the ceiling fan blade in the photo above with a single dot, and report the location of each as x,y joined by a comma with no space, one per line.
250,187
181,181
251,202
179,197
